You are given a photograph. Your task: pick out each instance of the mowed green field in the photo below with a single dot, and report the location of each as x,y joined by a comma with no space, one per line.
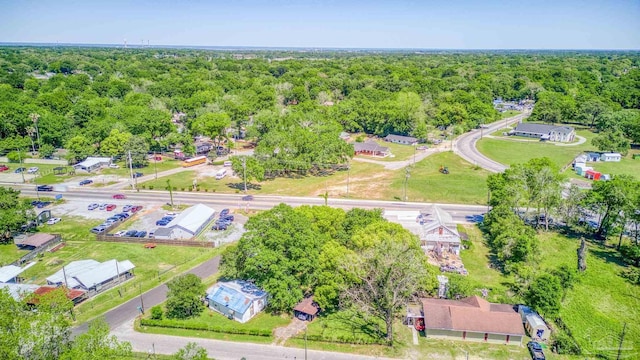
598,306
511,152
153,266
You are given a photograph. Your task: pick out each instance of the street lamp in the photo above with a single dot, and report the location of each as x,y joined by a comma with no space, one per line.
406,180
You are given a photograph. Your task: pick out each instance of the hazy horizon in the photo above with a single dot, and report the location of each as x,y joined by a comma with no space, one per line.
330,24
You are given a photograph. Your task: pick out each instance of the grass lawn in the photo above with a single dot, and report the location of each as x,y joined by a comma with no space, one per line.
595,310
464,184
165,164
45,173
511,152
260,322
166,261
509,113
10,253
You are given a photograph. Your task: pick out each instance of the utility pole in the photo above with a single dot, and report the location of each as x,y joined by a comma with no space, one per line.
20,160
155,164
406,180
170,191
244,172
348,179
141,302
34,117
133,186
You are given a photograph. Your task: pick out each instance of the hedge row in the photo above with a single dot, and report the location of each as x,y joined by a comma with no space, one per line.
213,328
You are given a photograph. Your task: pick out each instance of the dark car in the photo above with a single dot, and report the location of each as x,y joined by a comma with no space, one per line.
141,234
42,204
535,350
228,218
218,226
137,174
44,188
247,198
162,222
86,182
224,212
131,233
19,170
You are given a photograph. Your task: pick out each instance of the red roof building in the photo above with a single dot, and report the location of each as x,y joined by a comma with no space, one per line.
473,319
75,295
306,309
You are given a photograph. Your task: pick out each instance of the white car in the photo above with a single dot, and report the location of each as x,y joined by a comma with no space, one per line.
53,221
171,214
32,170
114,166
120,233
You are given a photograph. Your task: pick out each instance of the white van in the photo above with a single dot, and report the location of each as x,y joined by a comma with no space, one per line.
227,163
221,174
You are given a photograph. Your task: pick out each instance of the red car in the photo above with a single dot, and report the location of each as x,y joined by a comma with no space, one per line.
110,207
136,209
119,196
4,168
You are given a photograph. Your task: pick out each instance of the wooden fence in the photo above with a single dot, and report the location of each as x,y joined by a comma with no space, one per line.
137,240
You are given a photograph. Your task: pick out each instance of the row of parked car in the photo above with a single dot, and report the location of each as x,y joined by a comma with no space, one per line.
40,204
110,221
31,170
132,233
224,220
165,220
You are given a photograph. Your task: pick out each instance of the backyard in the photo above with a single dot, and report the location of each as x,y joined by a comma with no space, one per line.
597,307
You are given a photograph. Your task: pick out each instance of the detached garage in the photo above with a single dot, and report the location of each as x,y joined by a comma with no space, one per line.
473,319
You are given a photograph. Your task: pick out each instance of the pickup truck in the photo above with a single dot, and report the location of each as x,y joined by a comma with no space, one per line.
536,351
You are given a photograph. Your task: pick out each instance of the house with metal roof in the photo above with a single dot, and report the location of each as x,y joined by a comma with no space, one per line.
19,291
545,132
187,224
472,319
237,300
9,273
399,139
92,163
439,233
91,275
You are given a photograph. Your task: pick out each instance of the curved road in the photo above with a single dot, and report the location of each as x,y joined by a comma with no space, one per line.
465,144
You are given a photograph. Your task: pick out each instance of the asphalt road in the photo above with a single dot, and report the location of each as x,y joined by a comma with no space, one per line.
457,211
465,144
129,310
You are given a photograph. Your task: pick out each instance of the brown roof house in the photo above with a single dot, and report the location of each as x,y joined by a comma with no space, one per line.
472,319
370,148
306,309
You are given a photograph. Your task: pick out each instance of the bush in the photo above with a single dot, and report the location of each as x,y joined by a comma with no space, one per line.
631,274
564,344
156,312
15,157
177,324
150,187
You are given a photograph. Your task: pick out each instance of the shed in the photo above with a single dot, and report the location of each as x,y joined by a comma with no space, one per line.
536,327
306,310
38,240
582,169
592,175
611,157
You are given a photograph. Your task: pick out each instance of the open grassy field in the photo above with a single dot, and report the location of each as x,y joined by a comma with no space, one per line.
465,183
511,152
595,310
165,164
509,113
153,266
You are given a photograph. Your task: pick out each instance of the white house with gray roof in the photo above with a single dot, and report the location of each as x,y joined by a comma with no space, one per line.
545,132
91,275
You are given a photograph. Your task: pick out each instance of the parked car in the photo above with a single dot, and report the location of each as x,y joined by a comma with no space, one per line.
19,170
98,229
32,170
44,188
141,234
114,166
228,218
137,174
3,168
136,208
86,182
535,350
120,233
127,208
53,221
93,206
151,235
110,207
119,196
131,233
103,206
122,215
42,204
162,222
224,212
218,226
171,214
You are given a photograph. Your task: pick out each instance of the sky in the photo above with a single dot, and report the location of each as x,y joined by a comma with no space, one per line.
426,24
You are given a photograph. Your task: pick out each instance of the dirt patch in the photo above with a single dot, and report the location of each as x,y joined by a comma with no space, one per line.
282,334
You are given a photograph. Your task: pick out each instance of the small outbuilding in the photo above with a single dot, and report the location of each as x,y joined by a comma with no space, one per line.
237,300
581,169
611,157
38,241
306,310
537,328
592,175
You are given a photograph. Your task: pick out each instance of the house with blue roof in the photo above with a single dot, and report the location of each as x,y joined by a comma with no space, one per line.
237,300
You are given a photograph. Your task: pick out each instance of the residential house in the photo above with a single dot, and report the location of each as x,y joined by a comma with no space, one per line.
19,291
371,148
472,319
10,273
75,295
399,139
439,233
237,300
92,163
545,132
188,224
306,310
